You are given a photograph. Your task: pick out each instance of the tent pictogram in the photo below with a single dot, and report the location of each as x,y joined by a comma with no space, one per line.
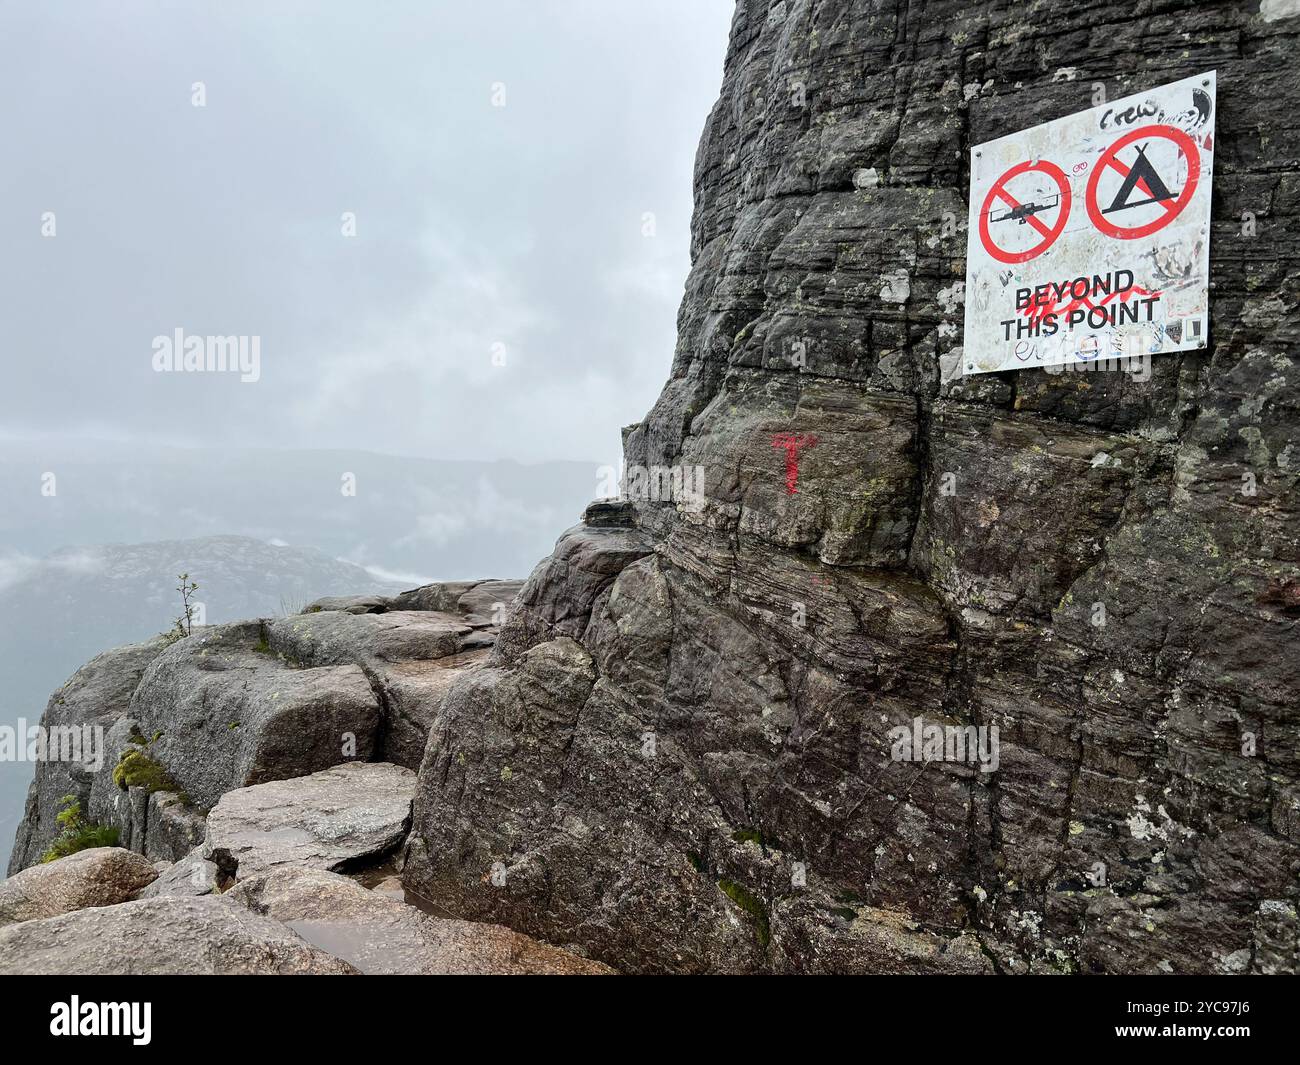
1141,177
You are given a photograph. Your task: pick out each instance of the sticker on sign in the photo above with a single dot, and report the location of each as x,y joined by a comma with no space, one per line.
1090,235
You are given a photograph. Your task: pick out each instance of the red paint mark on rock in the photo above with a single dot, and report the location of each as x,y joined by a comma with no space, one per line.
792,444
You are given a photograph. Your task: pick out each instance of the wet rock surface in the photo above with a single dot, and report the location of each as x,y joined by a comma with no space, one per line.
99,876
679,753
166,937
384,936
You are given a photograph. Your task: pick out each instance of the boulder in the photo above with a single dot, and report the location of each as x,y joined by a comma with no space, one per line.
98,876
338,638
352,604
329,820
162,937
192,876
480,603
381,935
352,677
410,658
220,710
558,596
413,693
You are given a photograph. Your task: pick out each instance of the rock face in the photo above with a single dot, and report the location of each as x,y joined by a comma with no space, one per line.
96,695
687,749
165,937
100,876
385,936
679,754
407,656
329,820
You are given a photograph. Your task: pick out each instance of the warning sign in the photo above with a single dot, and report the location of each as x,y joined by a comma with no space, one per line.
1089,235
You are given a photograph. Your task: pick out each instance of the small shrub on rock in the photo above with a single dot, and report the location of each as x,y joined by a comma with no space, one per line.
77,835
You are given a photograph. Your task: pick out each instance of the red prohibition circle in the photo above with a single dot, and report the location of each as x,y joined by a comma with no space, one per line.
1109,158
1000,191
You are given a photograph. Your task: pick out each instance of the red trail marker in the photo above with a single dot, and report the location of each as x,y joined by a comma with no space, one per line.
792,444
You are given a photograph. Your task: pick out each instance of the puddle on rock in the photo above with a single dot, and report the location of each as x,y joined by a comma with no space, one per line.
384,879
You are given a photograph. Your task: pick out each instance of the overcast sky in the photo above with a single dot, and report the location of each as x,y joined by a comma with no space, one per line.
476,225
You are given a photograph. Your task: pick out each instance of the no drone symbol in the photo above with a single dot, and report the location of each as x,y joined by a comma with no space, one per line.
1024,209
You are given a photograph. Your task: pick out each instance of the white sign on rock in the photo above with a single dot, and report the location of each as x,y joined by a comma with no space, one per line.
1089,236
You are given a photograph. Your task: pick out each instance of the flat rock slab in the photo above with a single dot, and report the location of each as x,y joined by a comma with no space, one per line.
327,820
338,638
167,937
98,876
384,936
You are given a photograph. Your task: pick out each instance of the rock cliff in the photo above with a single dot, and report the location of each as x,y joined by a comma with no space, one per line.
677,751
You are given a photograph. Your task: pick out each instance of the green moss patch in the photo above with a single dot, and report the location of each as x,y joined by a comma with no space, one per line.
749,902
135,769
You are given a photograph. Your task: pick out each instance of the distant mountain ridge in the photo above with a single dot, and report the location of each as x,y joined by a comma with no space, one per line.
417,519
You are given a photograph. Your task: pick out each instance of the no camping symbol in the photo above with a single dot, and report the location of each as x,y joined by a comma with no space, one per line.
1143,181
1019,196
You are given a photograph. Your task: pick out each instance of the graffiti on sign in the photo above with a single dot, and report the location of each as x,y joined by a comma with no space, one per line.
1091,234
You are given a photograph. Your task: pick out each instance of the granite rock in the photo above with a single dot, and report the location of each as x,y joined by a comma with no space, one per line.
98,876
